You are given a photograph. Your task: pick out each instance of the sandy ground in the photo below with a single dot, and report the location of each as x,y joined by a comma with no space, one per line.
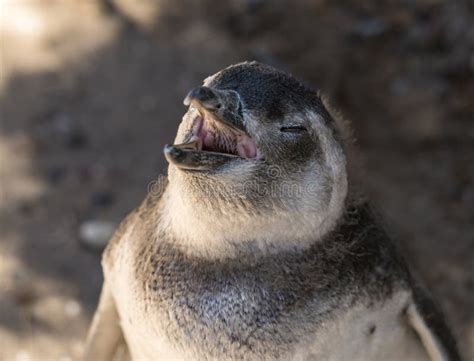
91,92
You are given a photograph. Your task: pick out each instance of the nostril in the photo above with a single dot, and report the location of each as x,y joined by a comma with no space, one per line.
205,96
203,93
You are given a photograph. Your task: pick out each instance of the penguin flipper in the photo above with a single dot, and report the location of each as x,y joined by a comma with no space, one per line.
105,334
429,325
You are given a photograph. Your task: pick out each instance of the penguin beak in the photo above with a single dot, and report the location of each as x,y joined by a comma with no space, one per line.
218,134
185,157
224,105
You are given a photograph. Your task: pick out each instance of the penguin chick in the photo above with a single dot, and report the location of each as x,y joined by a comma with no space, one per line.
254,249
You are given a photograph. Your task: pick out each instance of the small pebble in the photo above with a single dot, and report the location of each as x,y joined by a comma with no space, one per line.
102,198
95,233
72,309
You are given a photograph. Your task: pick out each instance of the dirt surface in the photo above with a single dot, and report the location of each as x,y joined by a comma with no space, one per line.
91,91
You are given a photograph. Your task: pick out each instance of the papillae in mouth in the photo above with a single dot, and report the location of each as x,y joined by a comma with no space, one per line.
214,136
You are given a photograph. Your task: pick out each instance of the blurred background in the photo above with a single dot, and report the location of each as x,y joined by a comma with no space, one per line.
91,91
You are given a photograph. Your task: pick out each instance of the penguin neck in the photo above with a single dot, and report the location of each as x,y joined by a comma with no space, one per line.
219,228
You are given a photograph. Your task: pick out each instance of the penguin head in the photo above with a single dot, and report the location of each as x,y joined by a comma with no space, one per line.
256,143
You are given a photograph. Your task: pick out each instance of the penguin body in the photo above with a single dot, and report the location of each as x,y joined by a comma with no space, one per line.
255,250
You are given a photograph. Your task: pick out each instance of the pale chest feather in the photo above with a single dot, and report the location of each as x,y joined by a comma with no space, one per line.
262,309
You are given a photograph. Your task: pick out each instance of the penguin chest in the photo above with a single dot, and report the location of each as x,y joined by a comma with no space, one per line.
185,310
222,318
174,309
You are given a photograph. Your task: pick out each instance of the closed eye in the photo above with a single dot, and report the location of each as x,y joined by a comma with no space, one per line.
293,129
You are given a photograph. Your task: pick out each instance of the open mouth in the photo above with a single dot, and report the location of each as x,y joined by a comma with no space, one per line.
212,143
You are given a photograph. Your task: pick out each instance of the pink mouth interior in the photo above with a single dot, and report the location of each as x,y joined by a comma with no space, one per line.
214,136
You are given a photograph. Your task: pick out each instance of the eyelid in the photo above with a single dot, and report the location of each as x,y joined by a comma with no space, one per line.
293,129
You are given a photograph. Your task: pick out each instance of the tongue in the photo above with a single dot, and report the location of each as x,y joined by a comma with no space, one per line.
208,140
246,148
